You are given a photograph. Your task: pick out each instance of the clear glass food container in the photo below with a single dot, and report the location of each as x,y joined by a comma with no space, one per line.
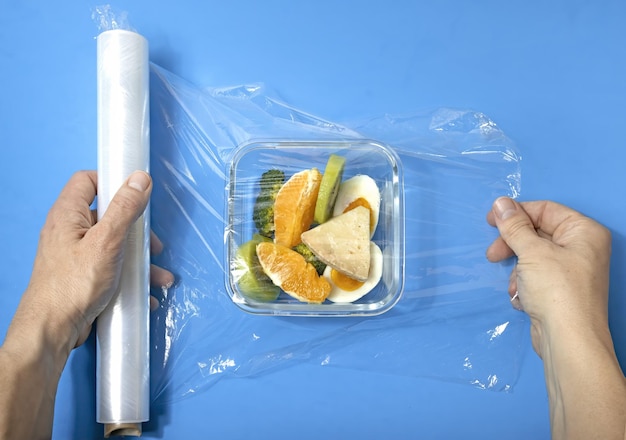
371,158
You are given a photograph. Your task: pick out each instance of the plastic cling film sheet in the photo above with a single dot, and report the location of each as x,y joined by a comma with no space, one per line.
453,320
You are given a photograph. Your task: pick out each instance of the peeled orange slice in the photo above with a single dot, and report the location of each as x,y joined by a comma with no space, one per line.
249,275
290,271
294,206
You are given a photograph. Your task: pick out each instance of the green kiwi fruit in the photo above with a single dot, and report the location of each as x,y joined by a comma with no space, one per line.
329,187
252,281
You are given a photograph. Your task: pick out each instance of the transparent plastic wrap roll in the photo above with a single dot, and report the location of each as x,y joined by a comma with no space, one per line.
123,378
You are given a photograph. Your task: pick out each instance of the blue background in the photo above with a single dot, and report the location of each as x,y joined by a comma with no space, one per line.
551,74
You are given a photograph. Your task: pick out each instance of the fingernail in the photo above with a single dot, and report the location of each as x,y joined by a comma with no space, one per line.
139,180
504,208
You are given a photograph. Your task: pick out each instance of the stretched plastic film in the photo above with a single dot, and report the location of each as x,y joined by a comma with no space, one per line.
453,320
447,315
123,348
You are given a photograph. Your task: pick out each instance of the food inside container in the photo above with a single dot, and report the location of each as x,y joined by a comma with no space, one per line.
315,228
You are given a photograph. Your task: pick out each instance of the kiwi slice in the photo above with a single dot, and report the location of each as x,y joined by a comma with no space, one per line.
252,281
329,187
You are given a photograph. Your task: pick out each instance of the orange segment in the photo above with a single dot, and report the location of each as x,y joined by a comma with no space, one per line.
294,206
290,271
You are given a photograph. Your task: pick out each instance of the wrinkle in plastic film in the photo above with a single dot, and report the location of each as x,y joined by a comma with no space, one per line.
454,321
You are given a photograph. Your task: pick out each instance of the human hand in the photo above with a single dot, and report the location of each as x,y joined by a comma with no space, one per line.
78,262
159,277
75,275
561,277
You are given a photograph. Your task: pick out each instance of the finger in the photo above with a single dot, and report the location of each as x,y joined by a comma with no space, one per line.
491,218
533,209
565,226
513,291
125,208
547,216
82,337
516,302
513,282
81,187
156,246
160,278
154,303
515,226
71,211
499,250
543,234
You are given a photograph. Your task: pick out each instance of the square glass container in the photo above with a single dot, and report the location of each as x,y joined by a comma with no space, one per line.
368,157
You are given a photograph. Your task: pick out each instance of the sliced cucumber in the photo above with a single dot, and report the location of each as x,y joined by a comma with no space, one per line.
329,187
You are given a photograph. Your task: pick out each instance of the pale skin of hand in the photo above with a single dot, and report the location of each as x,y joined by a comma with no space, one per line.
75,275
561,279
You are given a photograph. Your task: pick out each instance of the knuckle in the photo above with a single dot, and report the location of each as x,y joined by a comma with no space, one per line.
597,232
594,239
106,239
517,226
602,238
55,224
605,235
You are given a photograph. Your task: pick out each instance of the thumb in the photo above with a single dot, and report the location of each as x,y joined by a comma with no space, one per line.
125,208
515,226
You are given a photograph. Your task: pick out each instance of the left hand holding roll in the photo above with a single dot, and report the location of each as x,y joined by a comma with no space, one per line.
79,261
75,275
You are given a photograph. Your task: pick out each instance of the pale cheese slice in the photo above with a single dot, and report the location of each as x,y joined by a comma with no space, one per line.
343,242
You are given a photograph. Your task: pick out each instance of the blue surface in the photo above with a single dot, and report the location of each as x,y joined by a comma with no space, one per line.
550,74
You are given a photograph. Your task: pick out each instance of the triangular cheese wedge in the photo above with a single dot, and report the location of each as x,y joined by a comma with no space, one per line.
343,242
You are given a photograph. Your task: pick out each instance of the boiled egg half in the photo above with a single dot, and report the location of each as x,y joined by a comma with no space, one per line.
360,190
345,289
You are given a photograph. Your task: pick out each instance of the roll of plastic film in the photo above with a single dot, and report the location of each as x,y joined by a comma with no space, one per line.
123,349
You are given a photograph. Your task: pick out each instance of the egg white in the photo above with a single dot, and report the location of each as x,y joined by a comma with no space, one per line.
339,295
359,186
